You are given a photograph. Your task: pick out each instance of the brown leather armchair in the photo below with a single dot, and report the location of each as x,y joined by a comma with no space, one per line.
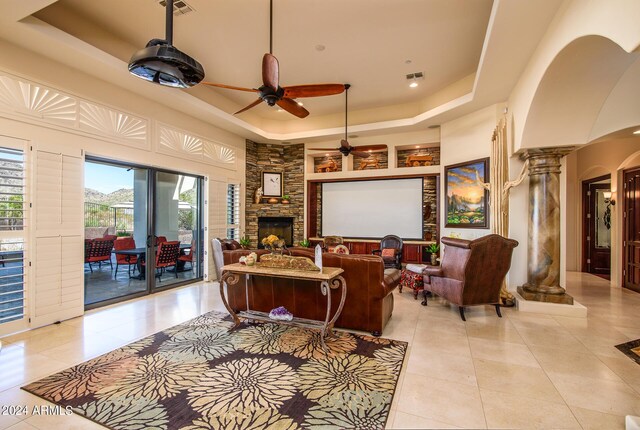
472,271
393,243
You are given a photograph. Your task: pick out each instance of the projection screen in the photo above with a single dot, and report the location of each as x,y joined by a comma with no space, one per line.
372,208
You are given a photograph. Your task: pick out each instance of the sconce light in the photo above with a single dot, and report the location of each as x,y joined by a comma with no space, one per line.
607,198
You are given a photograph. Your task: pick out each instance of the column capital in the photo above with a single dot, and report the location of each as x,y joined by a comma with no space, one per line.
545,160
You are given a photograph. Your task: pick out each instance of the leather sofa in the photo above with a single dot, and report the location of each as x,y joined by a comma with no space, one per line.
368,305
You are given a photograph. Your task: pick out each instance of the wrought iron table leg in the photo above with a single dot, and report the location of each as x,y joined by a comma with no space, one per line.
229,278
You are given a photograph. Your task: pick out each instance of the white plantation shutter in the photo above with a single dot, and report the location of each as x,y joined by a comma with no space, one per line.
57,263
217,209
233,211
217,219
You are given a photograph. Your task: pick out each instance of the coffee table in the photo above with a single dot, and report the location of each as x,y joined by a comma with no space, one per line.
329,279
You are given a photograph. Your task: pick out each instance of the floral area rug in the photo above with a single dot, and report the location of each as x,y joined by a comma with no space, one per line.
631,349
199,375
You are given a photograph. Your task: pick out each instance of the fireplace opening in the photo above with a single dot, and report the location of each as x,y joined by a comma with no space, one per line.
280,226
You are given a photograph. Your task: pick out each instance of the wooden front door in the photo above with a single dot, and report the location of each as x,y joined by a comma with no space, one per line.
631,234
597,226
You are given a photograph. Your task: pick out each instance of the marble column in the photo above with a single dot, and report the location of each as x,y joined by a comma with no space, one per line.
543,252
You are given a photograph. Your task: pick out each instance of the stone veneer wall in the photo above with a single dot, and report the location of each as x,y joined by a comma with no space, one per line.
275,158
430,201
382,157
434,152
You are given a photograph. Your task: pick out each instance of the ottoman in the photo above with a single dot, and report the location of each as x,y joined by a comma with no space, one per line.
411,277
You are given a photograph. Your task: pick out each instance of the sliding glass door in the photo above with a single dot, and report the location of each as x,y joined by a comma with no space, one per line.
143,230
177,228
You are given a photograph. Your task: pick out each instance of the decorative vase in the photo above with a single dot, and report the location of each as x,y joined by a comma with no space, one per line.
285,202
434,259
272,200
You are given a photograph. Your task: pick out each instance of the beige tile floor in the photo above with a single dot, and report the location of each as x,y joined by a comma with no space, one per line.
520,371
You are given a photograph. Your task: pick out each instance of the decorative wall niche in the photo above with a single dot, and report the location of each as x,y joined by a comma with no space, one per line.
375,160
418,157
326,164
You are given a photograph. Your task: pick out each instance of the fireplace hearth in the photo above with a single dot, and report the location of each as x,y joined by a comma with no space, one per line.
280,226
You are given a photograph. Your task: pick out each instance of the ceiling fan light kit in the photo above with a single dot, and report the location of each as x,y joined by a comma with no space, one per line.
162,63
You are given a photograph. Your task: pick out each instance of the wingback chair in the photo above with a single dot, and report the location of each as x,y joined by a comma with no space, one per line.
390,251
471,272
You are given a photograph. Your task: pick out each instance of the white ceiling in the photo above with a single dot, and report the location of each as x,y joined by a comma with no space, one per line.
367,44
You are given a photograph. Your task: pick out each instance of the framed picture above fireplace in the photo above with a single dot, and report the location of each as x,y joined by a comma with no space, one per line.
272,184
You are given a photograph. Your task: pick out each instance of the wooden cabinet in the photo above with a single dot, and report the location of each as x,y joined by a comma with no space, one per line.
357,247
412,253
372,246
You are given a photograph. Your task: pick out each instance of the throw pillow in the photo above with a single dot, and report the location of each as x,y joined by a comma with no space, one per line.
388,253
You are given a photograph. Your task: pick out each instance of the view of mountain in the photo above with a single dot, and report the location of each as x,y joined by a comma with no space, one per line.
122,195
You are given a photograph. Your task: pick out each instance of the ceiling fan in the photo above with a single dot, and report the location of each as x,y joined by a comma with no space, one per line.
272,93
345,148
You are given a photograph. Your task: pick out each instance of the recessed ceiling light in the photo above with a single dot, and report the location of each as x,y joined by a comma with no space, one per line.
369,150
326,155
413,84
300,104
280,110
417,146
637,131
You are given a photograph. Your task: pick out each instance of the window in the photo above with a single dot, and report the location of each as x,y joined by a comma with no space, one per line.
233,211
12,211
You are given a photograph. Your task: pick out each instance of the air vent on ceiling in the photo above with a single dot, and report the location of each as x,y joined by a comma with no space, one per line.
180,7
416,75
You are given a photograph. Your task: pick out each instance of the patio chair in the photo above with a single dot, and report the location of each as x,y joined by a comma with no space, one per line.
166,256
122,244
97,251
188,258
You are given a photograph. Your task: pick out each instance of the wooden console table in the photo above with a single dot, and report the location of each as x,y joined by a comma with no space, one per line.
330,279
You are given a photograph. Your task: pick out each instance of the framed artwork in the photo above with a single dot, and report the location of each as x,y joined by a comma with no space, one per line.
272,184
466,198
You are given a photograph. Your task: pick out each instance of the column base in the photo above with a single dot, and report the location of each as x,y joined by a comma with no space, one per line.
563,299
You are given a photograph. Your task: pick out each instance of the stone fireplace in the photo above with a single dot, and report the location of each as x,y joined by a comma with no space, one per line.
280,226
288,159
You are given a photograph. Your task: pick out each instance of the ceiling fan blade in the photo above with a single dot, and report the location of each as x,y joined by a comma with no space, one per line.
257,102
230,87
293,108
313,90
345,144
270,71
360,153
322,149
365,148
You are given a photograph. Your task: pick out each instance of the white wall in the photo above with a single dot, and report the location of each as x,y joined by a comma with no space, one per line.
465,139
612,19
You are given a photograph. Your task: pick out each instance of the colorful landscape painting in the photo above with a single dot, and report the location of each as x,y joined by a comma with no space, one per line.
466,198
